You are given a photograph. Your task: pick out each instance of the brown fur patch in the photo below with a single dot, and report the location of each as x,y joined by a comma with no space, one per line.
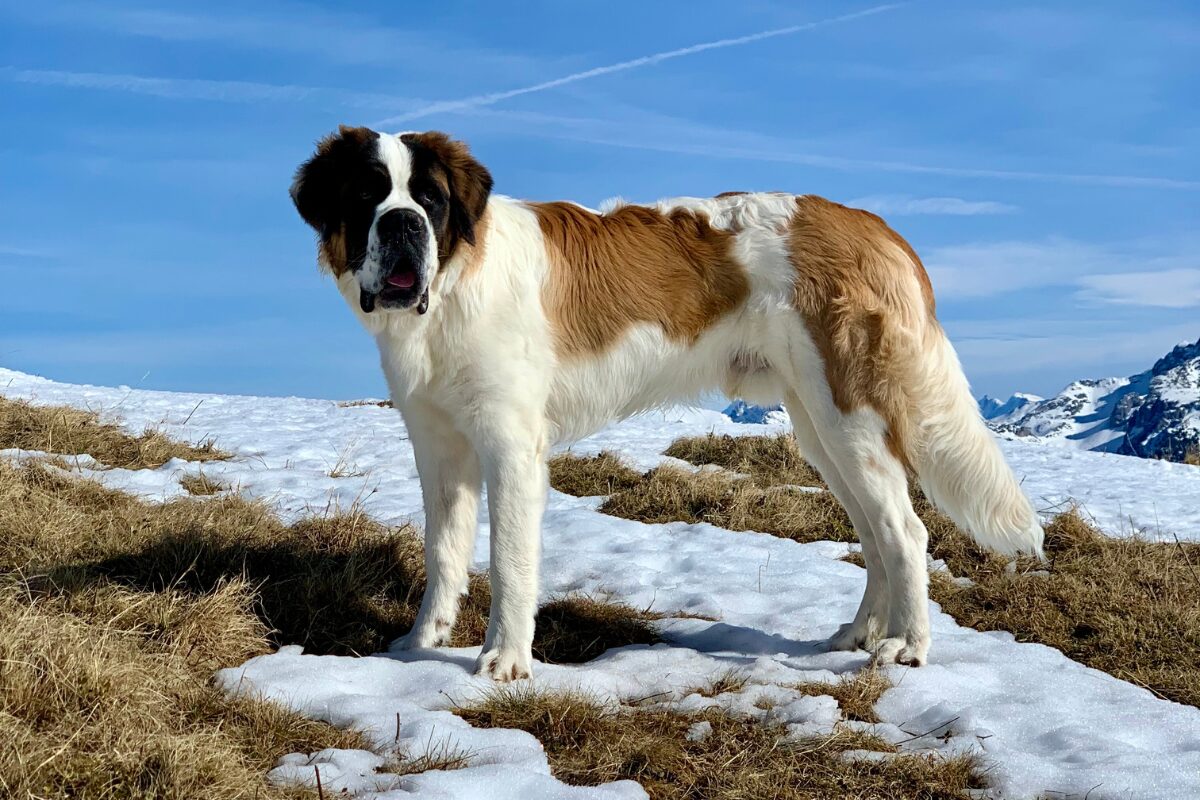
730,194
466,182
634,265
473,254
332,252
316,191
858,303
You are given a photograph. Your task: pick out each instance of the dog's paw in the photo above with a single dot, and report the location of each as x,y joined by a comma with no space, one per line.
504,666
423,637
855,636
900,650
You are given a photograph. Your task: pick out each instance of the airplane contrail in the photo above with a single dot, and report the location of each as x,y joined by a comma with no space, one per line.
621,66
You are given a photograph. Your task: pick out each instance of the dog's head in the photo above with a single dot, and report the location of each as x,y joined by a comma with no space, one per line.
391,209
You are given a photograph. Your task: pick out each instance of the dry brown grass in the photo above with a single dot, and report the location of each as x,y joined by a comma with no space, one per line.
340,584
116,612
107,688
361,403
575,629
1192,456
202,485
70,431
770,460
1127,606
588,743
670,494
732,680
856,694
107,695
593,476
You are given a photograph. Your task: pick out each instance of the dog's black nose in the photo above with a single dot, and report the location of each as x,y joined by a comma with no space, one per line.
400,222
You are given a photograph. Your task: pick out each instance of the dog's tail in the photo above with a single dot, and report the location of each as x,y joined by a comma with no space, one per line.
957,461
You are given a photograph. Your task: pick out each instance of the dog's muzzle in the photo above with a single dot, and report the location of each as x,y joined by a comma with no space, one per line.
402,236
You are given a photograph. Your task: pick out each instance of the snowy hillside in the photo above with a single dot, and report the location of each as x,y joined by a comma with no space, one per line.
1154,414
996,411
1044,725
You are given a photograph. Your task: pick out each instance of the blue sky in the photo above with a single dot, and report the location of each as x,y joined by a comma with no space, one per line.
1041,159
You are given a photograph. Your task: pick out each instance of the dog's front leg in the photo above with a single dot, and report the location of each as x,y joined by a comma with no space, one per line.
514,468
450,479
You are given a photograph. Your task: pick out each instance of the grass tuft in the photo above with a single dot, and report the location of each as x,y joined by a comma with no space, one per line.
732,680
201,485
769,460
1192,456
361,403
96,706
588,743
70,431
856,694
670,494
576,629
593,476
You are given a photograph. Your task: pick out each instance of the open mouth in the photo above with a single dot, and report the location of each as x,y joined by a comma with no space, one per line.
400,290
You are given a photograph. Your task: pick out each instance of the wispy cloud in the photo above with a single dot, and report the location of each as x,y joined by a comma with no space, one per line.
983,269
199,88
907,205
860,164
18,251
492,98
339,35
1079,350
1101,272
1171,288
633,128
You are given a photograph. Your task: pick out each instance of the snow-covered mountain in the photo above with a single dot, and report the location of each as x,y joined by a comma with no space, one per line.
1153,414
741,411
1003,410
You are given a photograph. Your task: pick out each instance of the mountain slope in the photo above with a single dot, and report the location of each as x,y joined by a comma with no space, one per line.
1153,414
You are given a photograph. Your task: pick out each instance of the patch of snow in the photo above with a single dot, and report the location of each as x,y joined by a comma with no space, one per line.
1041,722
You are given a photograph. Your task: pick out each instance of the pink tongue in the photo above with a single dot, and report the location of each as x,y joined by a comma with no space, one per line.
402,280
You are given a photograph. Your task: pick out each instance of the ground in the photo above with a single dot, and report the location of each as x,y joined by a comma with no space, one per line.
745,604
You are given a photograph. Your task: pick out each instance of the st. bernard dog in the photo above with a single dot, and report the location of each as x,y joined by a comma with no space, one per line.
505,326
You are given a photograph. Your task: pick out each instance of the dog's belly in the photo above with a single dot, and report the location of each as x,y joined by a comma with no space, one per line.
647,370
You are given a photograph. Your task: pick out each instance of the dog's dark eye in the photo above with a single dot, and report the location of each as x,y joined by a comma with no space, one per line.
366,194
427,197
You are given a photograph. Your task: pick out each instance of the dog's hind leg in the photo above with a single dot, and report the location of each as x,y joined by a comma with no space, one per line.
870,622
856,444
450,481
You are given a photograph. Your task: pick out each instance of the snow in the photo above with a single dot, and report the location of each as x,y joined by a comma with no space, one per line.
741,411
1155,413
999,412
1041,722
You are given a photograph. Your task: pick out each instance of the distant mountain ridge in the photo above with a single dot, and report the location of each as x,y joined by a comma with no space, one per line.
1153,414
994,409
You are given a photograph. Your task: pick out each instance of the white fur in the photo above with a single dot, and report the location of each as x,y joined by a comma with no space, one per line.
484,396
398,160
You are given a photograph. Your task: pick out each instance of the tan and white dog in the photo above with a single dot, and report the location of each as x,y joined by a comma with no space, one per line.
505,326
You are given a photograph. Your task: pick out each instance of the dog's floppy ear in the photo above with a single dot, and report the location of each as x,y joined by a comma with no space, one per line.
470,183
317,187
